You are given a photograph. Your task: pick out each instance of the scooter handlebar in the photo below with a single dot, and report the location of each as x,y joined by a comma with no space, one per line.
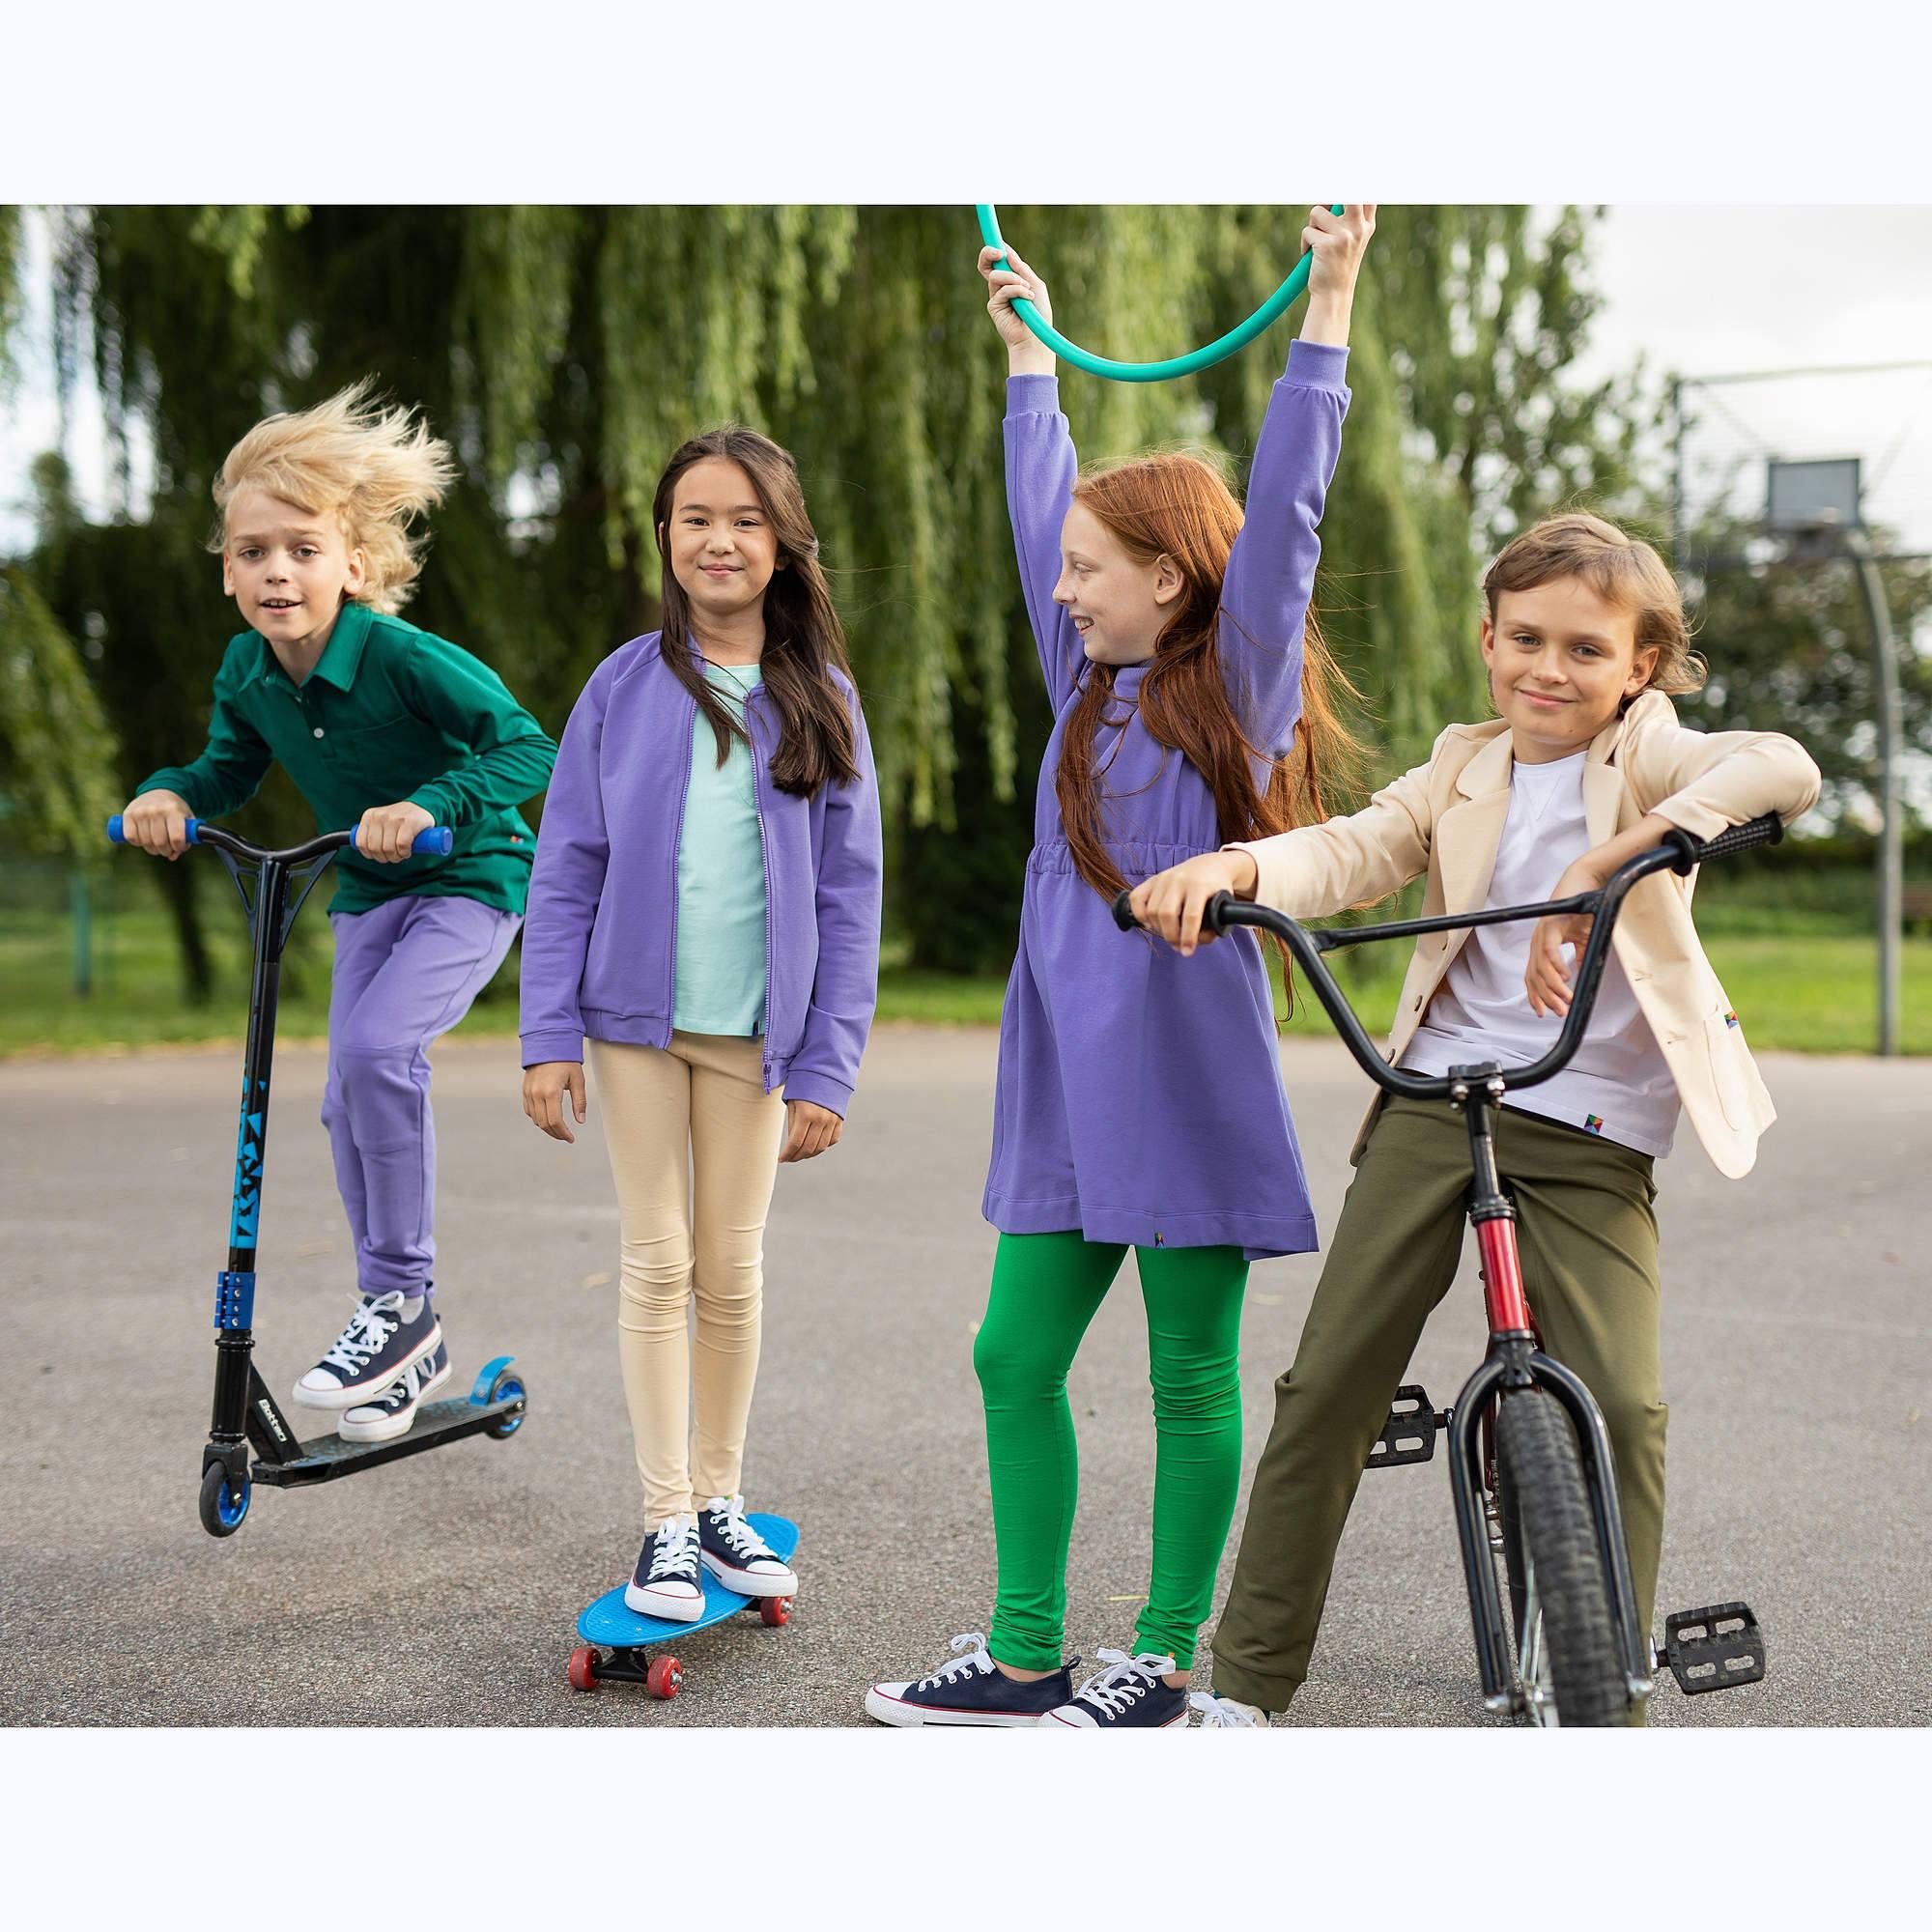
433,841
117,837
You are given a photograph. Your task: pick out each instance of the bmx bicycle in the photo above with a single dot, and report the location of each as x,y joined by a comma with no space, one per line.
273,885
1530,1468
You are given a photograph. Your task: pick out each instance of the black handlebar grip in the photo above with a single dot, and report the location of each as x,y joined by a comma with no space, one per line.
1211,919
1765,831
1123,916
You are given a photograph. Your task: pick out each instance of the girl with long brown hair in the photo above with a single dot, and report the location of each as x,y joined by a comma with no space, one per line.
1194,703
705,917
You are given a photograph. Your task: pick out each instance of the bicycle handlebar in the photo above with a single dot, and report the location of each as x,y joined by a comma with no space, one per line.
1679,852
431,841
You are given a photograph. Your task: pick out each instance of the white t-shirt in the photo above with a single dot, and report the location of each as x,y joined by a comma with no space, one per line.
1618,1084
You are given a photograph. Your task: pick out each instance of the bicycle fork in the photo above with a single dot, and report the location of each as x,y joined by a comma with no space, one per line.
1516,1363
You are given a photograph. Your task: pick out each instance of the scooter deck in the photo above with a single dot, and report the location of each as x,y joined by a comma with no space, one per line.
326,1457
610,1621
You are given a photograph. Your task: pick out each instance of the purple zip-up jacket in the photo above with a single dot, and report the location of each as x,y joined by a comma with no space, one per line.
1139,1096
600,937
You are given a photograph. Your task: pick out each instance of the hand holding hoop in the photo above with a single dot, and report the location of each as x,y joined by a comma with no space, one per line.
1195,359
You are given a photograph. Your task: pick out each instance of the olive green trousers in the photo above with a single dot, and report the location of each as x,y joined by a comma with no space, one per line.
1588,1241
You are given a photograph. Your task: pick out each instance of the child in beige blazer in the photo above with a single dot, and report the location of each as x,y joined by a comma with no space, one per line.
1585,765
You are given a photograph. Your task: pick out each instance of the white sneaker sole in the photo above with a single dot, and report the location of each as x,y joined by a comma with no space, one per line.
382,1428
920,1716
675,1609
352,1395
1054,1722
751,1582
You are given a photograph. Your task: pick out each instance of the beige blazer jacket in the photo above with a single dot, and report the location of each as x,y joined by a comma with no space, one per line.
1446,818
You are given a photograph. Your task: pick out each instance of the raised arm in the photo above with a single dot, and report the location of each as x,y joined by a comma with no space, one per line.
1040,467
1270,575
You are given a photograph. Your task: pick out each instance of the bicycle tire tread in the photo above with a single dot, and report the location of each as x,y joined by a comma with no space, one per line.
1543,1475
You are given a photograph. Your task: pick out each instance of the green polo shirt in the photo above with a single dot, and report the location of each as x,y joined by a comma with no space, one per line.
389,713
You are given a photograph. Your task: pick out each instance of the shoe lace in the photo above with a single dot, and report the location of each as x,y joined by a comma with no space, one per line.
410,1384
369,1328
1125,1680
1218,1715
977,1659
729,1520
675,1552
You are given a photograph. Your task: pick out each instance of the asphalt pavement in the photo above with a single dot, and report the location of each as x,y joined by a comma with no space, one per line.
444,1589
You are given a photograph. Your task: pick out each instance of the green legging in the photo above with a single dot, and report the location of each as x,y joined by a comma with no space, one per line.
1046,1289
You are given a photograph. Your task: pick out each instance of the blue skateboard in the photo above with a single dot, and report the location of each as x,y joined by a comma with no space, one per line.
610,1621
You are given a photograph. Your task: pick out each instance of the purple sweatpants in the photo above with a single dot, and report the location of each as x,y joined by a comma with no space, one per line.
405,972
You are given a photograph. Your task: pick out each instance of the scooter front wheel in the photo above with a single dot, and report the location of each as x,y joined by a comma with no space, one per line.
224,1503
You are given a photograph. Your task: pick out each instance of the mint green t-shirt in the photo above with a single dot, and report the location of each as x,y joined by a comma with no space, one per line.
721,879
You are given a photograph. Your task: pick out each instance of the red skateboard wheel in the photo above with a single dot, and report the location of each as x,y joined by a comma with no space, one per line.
582,1670
663,1678
774,1611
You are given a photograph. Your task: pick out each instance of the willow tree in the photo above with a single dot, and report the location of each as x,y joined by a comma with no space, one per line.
566,351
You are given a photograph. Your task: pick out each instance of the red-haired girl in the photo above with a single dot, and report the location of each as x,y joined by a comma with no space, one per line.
1192,695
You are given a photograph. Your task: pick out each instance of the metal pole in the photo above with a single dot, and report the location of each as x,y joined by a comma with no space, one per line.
81,903
1677,561
1890,866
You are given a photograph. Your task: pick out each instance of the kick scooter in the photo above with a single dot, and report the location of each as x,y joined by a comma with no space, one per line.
273,885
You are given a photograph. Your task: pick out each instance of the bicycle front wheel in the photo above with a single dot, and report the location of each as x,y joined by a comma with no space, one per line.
1568,1660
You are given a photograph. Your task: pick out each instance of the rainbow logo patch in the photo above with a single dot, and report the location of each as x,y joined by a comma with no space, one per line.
1730,1019
1593,1124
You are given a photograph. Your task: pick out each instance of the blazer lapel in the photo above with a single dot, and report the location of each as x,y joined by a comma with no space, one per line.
1469,833
1602,784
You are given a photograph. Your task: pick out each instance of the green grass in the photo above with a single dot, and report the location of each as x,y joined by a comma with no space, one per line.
1811,992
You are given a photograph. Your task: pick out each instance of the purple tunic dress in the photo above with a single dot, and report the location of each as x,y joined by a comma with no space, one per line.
1139,1096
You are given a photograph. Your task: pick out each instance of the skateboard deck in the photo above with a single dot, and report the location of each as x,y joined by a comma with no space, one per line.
610,1621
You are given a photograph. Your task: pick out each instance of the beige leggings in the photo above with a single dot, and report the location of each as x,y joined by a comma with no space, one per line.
695,1112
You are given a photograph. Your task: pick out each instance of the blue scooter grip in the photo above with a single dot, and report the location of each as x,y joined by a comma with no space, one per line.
115,837
431,841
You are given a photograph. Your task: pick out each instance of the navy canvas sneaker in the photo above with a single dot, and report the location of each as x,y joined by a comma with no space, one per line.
970,1690
396,1408
371,1352
666,1582
737,1555
1128,1695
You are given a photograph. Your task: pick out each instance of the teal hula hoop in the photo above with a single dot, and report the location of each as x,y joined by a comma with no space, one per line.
1195,359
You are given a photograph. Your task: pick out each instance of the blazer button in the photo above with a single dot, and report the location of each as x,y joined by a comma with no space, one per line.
317,730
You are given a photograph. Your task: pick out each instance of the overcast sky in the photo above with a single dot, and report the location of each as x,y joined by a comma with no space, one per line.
1704,290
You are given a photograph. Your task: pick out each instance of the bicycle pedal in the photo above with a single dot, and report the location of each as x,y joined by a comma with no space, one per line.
1409,1436
1717,1648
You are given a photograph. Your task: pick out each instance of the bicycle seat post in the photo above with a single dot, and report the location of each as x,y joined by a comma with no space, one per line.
1476,1091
